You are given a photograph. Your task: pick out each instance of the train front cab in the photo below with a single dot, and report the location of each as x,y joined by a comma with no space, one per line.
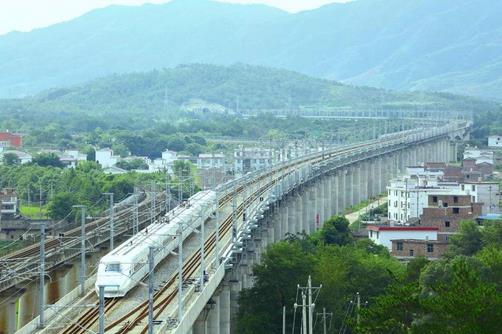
113,276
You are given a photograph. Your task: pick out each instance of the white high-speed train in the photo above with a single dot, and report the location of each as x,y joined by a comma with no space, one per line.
124,267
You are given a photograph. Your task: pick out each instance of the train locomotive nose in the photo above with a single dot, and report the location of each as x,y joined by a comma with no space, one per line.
113,286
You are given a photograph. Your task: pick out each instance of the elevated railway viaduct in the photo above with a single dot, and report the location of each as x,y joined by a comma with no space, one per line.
258,209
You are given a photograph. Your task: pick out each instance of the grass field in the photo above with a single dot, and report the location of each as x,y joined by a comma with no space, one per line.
9,246
33,211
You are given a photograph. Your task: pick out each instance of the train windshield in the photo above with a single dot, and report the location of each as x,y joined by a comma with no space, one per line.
112,267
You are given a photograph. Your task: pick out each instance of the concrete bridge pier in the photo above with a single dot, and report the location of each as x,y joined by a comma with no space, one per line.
244,274
342,190
319,204
225,309
312,211
423,154
364,180
333,194
449,150
372,181
356,180
270,230
299,213
284,220
199,327
305,210
375,176
259,246
277,224
262,238
444,152
389,166
327,198
362,183
407,160
291,218
334,191
429,152
9,317
381,173
234,303
213,318
348,187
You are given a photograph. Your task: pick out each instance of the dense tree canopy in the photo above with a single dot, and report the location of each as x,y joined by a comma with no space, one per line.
60,188
10,159
461,293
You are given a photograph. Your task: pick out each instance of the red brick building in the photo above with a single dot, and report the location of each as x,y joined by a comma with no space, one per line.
409,248
8,139
446,211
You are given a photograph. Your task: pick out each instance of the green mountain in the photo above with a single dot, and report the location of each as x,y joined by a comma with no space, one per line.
241,88
442,45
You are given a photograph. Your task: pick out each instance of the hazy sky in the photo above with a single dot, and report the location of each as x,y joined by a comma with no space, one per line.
25,15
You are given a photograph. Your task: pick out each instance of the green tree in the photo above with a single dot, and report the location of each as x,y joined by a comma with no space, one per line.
61,205
336,231
120,149
283,266
463,304
11,159
132,164
392,312
120,186
468,240
491,234
47,160
491,257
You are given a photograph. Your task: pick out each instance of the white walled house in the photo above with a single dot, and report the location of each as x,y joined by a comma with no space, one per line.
408,194
23,157
106,158
211,160
8,203
252,158
478,155
484,192
166,162
71,158
77,155
383,235
407,201
495,141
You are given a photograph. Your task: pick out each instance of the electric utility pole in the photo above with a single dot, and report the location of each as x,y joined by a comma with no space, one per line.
309,293
41,296
112,227
82,248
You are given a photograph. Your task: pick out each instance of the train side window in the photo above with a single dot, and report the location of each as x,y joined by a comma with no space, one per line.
113,267
137,266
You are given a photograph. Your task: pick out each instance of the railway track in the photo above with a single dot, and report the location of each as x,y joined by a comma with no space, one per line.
22,263
85,322
162,298
166,294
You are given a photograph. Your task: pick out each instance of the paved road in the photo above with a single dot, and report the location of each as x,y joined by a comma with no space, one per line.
352,217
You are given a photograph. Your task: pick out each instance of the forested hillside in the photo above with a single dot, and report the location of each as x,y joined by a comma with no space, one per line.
448,45
237,88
